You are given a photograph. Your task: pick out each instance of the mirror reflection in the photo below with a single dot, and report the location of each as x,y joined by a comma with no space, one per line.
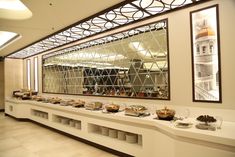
134,66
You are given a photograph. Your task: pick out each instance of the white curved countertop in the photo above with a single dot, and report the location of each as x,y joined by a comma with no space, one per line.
224,136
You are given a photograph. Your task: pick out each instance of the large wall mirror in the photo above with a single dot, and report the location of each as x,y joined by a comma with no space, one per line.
132,64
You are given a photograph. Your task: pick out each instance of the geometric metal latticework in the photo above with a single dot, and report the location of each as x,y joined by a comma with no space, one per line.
119,36
127,13
133,64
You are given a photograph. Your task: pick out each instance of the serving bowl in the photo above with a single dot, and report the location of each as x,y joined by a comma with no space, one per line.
78,103
165,114
135,110
112,108
206,122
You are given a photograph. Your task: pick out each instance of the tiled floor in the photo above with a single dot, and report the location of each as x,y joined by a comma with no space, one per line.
26,139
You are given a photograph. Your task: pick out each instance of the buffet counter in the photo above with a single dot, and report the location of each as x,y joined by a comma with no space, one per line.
137,136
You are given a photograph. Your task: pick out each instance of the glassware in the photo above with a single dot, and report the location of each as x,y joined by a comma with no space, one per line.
186,113
219,121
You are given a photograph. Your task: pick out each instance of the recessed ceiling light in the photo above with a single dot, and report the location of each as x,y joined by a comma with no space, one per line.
7,37
140,49
12,5
14,9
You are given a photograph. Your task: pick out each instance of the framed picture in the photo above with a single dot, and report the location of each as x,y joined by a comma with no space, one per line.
205,43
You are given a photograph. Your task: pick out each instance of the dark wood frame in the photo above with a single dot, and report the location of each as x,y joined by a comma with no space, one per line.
218,47
168,60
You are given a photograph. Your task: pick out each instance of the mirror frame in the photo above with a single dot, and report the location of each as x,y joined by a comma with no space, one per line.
149,98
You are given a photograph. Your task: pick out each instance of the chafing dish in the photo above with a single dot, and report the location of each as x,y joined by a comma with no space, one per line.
24,93
135,110
25,97
112,108
65,102
37,98
94,106
18,94
165,114
55,100
78,103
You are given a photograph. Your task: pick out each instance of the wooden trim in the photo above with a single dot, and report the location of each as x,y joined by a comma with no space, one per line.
219,54
2,59
168,61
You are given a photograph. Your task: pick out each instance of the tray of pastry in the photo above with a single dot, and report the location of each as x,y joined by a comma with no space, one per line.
54,100
94,106
136,110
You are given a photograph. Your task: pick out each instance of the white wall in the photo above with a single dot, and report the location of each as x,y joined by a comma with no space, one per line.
180,59
13,72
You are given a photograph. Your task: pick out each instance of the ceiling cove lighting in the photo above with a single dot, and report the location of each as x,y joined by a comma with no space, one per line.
14,10
7,37
127,12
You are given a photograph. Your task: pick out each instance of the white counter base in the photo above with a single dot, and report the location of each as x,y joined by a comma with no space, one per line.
153,137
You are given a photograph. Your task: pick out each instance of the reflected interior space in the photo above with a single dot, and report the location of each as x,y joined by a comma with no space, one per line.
133,64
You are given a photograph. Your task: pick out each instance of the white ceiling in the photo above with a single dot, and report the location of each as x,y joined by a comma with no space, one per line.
48,18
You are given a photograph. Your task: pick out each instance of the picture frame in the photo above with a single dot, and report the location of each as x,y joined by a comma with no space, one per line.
205,47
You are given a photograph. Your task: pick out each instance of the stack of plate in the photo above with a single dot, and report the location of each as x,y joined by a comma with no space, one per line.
112,133
131,138
104,131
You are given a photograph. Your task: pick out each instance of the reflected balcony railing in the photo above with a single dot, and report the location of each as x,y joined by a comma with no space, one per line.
204,79
204,93
200,59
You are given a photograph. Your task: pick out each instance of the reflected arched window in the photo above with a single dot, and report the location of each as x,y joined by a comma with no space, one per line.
211,48
198,49
203,49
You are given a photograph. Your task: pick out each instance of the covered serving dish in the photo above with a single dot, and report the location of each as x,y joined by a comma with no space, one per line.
37,98
72,102
112,108
24,94
135,110
65,102
165,114
78,103
55,100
